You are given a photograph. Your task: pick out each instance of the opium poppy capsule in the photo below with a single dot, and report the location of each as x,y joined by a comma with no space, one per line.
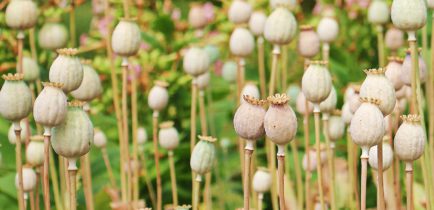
241,42
308,44
195,61
126,38
203,155
257,23
415,14
21,14
239,11
409,142
53,35
67,69
280,27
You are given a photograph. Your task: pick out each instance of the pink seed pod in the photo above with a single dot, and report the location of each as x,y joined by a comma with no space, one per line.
249,120
257,23
158,96
378,12
241,42
328,29
203,80
329,104
67,69
409,142
239,12
24,132
126,38
99,139
308,44
29,179
280,122
367,125
394,38
336,126
280,27
300,105
53,35
406,69
316,83
35,151
250,89
387,156
22,14
196,16
50,106
196,61
347,115
376,85
415,14
262,180
90,88
394,71
312,159
168,136
15,98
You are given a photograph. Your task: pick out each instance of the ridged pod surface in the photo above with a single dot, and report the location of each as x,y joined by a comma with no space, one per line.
158,97
257,23
387,156
126,38
378,12
280,27
394,38
262,180
239,11
406,72
249,119
15,98
203,155
329,104
21,14
409,15
394,71
241,42
328,29
280,122
90,88
50,106
409,142
35,151
308,44
336,127
67,69
316,83
196,61
52,36
30,69
168,136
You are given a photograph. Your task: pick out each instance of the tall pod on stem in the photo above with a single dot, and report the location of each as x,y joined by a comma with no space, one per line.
316,86
158,99
249,125
409,144
72,139
328,31
261,184
201,162
29,181
280,125
378,15
15,105
256,26
367,129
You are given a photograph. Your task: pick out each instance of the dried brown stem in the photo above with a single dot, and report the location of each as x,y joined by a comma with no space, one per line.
381,203
126,159
45,180
20,43
157,158
134,113
364,174
173,179
87,181
261,65
318,155
108,166
281,172
73,189
330,162
246,185
409,185
196,189
19,166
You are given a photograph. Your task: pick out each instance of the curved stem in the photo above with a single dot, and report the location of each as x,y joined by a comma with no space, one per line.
246,184
316,113
108,166
173,179
157,158
19,166
364,174
380,177
330,160
409,185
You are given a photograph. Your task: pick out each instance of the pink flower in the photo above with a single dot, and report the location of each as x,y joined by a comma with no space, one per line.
103,24
176,14
145,46
364,3
317,8
208,9
218,65
83,39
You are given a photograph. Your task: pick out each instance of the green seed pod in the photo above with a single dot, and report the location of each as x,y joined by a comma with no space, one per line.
126,38
24,132
15,98
67,69
203,155
409,15
29,179
336,126
90,88
21,14
329,104
168,136
280,27
53,35
196,61
35,151
229,71
50,106
30,69
242,42
99,139
239,12
262,180
387,156
378,12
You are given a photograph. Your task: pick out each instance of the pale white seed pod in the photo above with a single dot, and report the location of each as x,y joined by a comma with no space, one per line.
308,44
90,87
367,125
35,151
350,91
196,61
409,15
229,71
329,104
15,98
262,180
280,122
203,155
257,23
250,89
406,70
50,106
21,14
394,38
24,133
283,3
316,83
168,136
401,93
347,115
301,104
328,29
312,166
239,11
72,138
126,38
241,42
409,142
29,178
249,119
67,69
158,97
203,80
394,71
336,127
376,85
430,4
378,12
30,69
99,139
196,16
52,36
280,27
354,103
132,166
387,156
142,136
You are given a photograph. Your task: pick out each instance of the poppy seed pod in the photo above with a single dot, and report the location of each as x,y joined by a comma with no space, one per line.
378,12
387,156
406,70
410,139
158,96
394,71
203,155
261,181
142,136
292,92
249,120
367,125
29,178
67,69
394,38
196,16
213,52
15,98
283,3
168,136
347,115
400,94
280,122
73,137
21,14
229,71
90,88
52,35
354,103
415,14
126,38
329,104
312,159
376,85
239,11
300,105
349,92
241,42
202,81
257,23
316,83
250,89
280,27
99,139
196,61
308,44
50,106
24,132
336,126
35,151
328,29
30,69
